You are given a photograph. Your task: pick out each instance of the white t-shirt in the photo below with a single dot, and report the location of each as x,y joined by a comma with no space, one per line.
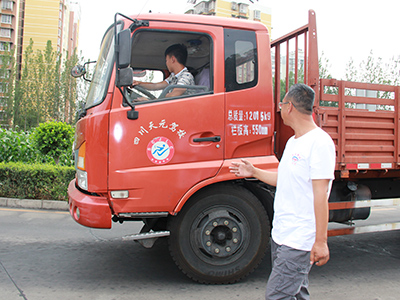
311,156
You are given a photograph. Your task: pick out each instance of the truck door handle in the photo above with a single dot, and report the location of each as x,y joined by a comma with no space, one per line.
214,139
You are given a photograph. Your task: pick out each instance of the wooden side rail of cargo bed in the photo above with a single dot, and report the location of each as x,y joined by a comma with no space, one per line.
363,120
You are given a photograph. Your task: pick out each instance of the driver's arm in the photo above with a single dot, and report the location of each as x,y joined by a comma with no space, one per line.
151,86
175,92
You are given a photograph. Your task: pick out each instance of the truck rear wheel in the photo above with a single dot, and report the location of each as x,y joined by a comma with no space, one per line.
220,236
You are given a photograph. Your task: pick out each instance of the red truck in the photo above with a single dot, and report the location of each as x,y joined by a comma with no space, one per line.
165,161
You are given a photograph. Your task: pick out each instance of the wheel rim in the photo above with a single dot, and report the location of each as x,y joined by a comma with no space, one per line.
219,235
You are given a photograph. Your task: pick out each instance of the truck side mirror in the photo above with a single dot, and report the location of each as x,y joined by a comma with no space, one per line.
78,71
125,77
124,49
125,72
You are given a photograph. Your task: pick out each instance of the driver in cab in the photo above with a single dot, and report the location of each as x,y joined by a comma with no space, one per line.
175,59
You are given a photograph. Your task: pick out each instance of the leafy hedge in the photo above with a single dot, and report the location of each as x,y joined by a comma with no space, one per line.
35,181
50,143
17,146
54,139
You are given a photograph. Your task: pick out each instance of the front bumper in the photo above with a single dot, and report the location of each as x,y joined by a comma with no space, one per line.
87,210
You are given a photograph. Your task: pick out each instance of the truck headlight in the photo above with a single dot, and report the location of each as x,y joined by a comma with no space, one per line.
81,177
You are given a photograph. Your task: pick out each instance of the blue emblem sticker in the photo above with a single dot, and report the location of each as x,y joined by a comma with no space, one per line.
160,150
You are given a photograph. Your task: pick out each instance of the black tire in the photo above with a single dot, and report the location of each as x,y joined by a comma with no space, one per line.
220,236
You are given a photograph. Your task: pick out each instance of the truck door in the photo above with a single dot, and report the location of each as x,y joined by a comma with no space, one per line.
248,85
175,142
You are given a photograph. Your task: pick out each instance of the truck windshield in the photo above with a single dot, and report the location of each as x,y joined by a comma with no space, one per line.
103,70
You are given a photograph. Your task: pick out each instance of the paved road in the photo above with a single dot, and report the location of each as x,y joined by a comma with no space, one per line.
46,255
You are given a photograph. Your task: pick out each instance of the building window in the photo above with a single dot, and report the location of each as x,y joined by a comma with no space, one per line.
211,5
234,6
7,4
243,8
4,46
257,15
6,19
5,32
201,8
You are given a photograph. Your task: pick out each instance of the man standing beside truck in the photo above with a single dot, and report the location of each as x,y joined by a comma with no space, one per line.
303,181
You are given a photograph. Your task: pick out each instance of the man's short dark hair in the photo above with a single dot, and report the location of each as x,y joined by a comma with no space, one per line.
303,97
179,51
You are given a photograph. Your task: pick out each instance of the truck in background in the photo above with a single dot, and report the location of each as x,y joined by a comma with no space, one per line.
165,161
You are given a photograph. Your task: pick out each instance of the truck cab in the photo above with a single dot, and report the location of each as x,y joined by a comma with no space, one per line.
164,160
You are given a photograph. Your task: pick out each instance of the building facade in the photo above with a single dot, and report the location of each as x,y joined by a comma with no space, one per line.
8,24
42,21
8,40
231,9
50,20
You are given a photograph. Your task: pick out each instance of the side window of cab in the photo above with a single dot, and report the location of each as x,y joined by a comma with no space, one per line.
241,64
168,65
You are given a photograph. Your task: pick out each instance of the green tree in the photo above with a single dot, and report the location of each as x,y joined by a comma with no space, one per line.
324,66
69,90
300,79
83,85
374,70
50,85
324,73
45,90
26,112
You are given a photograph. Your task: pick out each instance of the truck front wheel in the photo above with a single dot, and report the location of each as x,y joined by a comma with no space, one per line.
220,236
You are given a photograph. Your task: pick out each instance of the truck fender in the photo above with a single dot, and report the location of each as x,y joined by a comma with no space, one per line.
266,162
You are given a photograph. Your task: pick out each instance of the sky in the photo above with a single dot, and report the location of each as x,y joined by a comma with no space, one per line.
346,29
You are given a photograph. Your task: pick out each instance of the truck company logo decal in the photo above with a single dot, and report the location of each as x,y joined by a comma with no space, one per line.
160,150
173,127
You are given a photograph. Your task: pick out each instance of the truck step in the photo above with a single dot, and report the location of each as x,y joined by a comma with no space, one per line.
145,235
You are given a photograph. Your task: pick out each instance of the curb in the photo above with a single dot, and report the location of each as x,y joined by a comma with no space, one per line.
34,204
